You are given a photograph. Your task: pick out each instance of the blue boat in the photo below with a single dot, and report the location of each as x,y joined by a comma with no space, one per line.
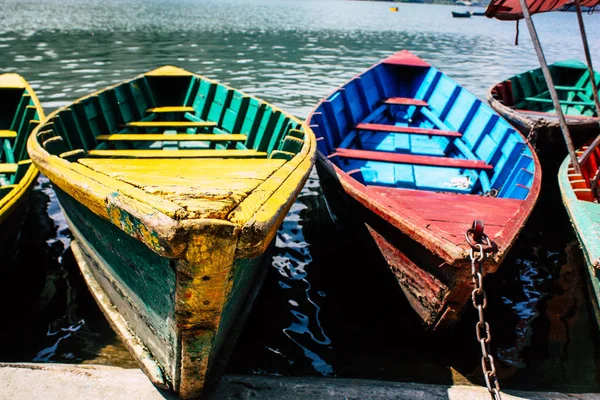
417,158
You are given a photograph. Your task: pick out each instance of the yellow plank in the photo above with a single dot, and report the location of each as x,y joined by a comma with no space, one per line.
205,188
170,124
7,134
170,109
151,137
178,153
8,168
182,172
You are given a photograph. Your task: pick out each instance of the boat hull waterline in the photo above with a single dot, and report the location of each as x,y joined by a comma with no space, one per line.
174,186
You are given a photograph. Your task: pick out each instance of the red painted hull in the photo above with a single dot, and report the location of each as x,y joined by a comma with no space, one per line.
421,236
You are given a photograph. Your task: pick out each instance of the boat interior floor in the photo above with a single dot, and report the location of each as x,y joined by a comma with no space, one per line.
403,144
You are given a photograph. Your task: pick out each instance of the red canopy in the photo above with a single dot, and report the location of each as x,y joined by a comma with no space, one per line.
511,9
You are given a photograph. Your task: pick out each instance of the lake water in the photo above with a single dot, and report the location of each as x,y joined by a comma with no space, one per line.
328,307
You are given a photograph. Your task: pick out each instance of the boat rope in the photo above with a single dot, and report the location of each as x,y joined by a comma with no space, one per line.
481,246
517,34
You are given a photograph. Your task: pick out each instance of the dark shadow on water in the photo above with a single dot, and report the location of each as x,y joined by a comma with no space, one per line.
48,313
330,307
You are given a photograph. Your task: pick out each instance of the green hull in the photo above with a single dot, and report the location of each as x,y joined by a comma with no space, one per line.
525,101
585,217
125,275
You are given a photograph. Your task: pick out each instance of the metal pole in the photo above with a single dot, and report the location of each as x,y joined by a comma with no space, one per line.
550,82
590,67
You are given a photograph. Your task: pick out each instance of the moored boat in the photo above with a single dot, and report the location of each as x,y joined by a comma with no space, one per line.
21,112
525,101
173,186
461,14
417,159
580,194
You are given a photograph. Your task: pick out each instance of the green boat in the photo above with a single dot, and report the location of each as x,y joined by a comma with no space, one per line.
173,186
525,101
580,194
20,113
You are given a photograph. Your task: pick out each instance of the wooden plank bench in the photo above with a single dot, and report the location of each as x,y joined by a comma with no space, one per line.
405,129
562,102
158,153
159,137
4,134
411,159
406,101
8,168
170,124
570,88
171,109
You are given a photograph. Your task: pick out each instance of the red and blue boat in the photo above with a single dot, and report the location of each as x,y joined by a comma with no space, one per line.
417,158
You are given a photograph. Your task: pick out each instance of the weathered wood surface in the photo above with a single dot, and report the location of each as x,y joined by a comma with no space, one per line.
406,129
411,159
180,230
214,189
160,153
150,137
539,113
393,177
170,124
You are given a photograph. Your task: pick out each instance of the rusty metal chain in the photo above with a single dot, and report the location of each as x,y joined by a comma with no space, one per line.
478,296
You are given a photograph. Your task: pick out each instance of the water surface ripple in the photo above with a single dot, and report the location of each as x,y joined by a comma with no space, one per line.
328,306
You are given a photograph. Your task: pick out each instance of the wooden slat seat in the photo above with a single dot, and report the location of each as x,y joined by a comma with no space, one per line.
571,88
412,159
150,137
170,124
178,153
406,129
562,102
406,101
4,134
171,109
8,168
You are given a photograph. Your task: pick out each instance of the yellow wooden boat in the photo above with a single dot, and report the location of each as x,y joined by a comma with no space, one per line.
20,113
173,186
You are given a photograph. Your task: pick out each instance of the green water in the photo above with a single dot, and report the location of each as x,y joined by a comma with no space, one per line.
328,306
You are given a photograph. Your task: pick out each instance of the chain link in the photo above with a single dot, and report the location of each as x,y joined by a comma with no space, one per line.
482,328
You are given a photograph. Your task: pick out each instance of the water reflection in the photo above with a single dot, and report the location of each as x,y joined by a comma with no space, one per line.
328,306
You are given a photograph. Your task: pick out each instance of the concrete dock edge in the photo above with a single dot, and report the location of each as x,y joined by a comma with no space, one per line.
93,382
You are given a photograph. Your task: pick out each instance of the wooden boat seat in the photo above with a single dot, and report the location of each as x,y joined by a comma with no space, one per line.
584,194
7,134
406,129
170,109
159,153
399,158
562,102
406,101
571,88
170,124
150,137
8,168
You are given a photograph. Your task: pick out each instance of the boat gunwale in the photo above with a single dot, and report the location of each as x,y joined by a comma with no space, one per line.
167,226
573,205
10,201
437,244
